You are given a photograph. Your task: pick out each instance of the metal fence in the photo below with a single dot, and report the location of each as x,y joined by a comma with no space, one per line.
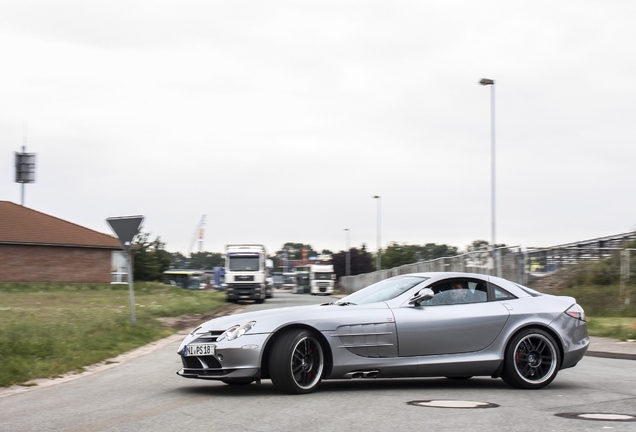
525,266
509,265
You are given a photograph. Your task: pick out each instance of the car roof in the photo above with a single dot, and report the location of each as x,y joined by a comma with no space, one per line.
509,286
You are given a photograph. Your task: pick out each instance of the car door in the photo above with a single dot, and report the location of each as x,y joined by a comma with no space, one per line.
432,329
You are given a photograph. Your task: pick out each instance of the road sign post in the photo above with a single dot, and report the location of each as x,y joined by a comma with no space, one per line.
126,228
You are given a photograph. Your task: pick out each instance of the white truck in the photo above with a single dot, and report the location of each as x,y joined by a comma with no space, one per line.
322,279
269,278
246,272
289,281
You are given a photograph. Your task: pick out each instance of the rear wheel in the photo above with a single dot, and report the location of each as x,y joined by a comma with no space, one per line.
532,360
296,362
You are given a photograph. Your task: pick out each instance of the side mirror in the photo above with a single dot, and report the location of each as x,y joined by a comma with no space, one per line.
425,294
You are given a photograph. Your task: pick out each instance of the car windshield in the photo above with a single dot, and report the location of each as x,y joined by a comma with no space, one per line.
244,263
384,290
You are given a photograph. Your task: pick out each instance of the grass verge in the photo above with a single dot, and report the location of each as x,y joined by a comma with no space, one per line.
615,327
48,329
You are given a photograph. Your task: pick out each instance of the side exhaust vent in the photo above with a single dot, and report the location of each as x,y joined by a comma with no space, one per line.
362,374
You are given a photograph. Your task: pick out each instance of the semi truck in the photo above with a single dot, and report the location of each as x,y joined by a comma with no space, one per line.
246,272
289,281
322,279
269,278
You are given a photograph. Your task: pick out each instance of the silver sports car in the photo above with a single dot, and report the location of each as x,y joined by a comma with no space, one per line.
455,325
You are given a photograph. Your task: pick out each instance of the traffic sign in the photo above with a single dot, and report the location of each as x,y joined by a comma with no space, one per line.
126,228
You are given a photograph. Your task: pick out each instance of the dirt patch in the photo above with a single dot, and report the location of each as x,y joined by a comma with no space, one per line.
192,320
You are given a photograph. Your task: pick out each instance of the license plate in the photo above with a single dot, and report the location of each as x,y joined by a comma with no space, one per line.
199,350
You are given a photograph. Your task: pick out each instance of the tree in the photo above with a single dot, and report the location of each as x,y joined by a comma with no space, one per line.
205,260
276,261
150,258
481,251
361,261
397,254
178,260
431,251
293,251
478,245
483,245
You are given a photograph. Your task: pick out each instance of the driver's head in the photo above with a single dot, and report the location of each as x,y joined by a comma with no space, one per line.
458,290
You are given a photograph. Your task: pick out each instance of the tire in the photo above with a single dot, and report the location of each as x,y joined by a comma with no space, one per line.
260,301
532,360
296,362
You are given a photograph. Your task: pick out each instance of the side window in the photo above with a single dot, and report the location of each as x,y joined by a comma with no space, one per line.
458,291
499,293
478,291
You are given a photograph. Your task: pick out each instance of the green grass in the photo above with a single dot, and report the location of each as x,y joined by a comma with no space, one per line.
616,328
602,300
607,314
49,329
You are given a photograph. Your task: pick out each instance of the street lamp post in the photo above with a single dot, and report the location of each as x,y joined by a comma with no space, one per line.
491,83
379,258
348,256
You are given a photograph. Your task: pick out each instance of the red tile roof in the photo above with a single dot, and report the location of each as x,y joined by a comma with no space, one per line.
22,225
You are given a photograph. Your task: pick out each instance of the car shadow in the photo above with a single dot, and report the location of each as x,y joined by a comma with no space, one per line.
265,387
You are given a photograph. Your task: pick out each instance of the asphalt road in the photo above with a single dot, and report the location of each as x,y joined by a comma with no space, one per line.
145,394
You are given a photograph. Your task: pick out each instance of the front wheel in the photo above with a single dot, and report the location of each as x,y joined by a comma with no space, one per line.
532,360
296,362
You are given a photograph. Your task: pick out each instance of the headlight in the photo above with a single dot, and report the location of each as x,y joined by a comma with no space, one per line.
576,311
236,331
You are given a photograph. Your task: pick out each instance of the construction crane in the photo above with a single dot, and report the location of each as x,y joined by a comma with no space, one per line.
198,235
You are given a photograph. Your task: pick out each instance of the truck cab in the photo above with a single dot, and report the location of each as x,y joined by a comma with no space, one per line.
246,272
322,279
289,281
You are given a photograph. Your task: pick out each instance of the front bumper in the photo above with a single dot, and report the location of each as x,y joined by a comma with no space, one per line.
237,359
245,291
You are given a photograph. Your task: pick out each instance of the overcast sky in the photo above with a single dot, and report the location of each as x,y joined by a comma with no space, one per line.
280,120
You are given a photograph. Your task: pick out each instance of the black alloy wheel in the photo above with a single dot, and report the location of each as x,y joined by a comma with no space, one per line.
296,362
532,360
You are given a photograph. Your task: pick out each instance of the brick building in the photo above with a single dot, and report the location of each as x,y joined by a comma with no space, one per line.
36,247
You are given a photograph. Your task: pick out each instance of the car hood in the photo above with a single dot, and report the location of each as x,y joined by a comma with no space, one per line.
323,317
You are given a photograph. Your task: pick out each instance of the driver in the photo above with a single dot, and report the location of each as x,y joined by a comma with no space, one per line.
459,292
